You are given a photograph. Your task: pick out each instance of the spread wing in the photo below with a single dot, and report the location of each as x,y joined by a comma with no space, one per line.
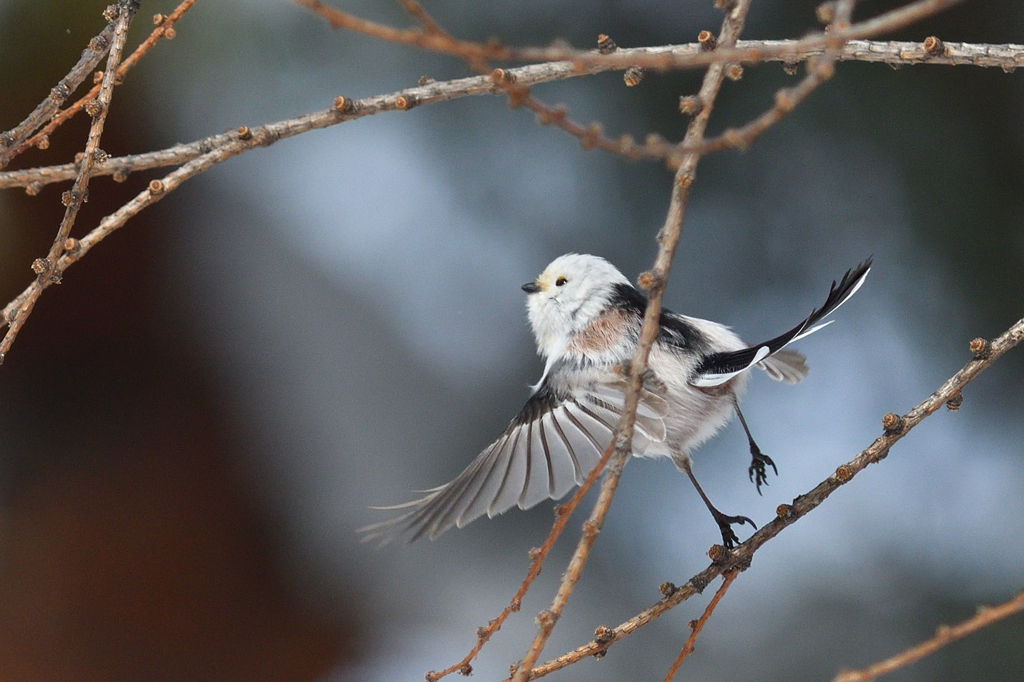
718,368
548,449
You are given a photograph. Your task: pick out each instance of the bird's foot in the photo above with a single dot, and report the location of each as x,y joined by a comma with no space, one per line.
725,524
648,378
758,470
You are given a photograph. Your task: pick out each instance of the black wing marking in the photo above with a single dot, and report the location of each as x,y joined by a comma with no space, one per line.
672,329
718,368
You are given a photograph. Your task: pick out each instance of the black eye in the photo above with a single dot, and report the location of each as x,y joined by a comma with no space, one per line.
560,281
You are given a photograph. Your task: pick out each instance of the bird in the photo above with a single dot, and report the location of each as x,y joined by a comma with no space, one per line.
586,318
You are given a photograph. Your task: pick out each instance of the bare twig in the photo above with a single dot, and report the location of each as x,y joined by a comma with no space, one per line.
563,513
692,56
819,70
698,624
429,38
47,269
155,191
15,140
434,39
896,427
660,59
654,148
165,29
986,615
417,11
345,109
1007,57
225,147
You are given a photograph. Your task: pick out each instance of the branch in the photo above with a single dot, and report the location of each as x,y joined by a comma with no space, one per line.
742,53
662,58
13,141
75,249
47,269
1007,57
563,513
944,635
819,70
433,38
698,625
344,109
164,29
896,427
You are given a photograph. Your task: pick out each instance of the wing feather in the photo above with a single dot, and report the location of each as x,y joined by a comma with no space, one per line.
548,449
480,499
511,486
564,466
442,511
538,481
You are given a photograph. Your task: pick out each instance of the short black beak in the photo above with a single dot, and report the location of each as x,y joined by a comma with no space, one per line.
531,287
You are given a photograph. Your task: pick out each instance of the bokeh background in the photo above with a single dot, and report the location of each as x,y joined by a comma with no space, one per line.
195,422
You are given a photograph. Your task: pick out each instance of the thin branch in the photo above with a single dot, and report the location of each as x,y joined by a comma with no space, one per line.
18,310
13,141
591,136
901,53
428,38
986,615
47,269
33,179
819,70
692,56
164,29
896,427
1007,57
698,625
156,190
417,11
215,150
563,513
344,109
786,51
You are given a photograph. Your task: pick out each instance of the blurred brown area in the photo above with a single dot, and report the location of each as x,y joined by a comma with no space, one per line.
130,547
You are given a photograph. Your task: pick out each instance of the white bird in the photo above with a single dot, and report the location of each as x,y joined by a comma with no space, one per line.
586,318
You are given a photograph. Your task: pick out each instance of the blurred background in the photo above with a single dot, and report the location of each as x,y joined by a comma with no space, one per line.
194,424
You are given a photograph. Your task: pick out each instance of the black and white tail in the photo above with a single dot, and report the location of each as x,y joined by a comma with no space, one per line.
718,368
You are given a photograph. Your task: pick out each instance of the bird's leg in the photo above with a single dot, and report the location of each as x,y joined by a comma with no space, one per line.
759,461
725,523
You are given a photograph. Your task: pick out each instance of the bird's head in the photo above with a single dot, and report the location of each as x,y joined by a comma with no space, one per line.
572,291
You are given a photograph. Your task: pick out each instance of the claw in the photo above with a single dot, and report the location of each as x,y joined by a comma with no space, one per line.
725,523
647,378
651,381
759,461
758,470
